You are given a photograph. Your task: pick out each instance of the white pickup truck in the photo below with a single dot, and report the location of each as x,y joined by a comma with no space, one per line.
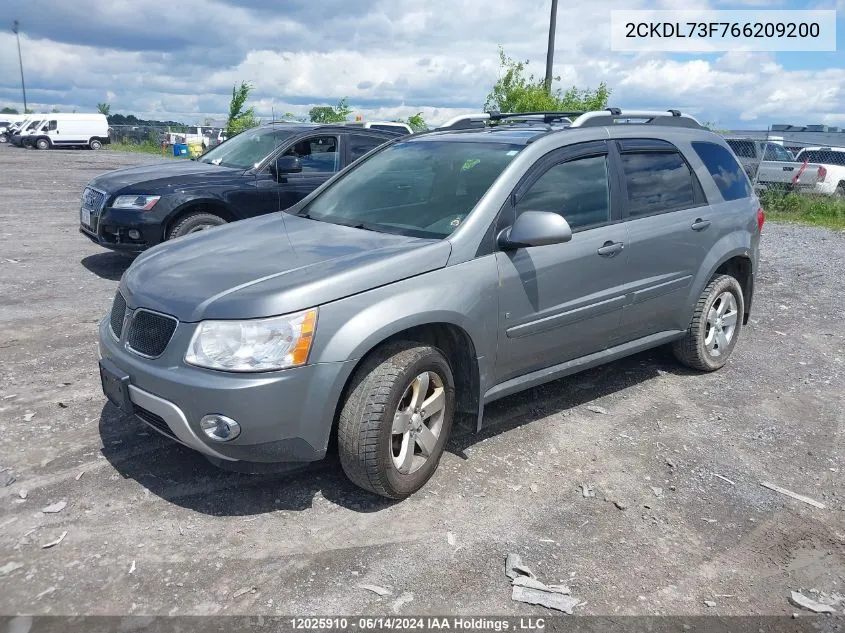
832,160
770,165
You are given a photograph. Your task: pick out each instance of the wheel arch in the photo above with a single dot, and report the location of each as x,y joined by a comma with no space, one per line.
450,338
737,262
201,205
41,137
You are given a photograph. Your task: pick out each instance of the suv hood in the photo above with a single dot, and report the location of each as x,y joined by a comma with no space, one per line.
153,178
270,265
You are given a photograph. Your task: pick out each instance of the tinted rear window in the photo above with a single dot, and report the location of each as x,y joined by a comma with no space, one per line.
657,182
727,173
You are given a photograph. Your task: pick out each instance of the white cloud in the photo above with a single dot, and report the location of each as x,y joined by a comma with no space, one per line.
390,58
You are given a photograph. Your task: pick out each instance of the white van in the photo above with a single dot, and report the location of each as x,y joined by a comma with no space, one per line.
66,129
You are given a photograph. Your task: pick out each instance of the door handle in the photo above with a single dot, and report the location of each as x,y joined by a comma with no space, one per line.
610,249
700,225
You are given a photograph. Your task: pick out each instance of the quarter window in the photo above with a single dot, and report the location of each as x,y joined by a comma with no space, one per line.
577,190
657,182
725,170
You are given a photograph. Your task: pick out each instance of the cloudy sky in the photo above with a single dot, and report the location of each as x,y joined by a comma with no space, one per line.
179,58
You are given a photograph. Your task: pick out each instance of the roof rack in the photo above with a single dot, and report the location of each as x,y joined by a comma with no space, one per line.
595,118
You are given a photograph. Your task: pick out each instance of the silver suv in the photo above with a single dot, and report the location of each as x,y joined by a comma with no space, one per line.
438,273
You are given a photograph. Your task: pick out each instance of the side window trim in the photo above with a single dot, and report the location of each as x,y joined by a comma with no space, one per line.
700,200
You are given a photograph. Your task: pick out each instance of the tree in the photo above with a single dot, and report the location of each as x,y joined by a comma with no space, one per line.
417,122
55,110
328,114
517,92
104,108
29,111
8,110
240,119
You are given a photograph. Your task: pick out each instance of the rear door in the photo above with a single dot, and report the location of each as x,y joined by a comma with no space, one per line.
563,301
671,229
361,143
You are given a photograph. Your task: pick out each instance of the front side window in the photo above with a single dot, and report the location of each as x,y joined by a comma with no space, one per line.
318,154
52,125
727,173
421,188
248,149
657,182
777,153
577,190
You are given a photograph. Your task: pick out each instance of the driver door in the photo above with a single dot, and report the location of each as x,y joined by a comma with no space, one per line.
563,301
320,157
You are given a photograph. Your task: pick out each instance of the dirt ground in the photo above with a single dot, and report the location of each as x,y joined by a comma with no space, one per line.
151,528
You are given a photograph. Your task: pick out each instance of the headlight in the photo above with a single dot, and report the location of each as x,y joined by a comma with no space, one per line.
253,345
142,203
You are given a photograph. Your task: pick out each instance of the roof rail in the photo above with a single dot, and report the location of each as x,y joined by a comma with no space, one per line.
611,116
479,119
576,118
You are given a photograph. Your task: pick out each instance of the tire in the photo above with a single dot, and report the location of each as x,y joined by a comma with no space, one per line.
4,138
95,144
42,143
384,391
701,347
194,222
839,192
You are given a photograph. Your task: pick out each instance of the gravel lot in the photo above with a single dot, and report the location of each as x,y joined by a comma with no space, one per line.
152,528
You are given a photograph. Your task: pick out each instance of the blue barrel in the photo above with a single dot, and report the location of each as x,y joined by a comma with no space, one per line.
180,149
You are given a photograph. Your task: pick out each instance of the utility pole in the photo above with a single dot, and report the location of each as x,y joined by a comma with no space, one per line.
550,54
15,26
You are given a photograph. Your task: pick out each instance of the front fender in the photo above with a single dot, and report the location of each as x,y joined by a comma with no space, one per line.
464,295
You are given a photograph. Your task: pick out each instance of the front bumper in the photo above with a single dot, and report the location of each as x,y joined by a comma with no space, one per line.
110,228
285,416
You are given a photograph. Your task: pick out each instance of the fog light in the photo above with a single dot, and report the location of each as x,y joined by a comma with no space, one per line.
134,234
220,428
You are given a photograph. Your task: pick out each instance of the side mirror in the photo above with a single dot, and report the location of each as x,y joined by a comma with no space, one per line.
286,165
535,228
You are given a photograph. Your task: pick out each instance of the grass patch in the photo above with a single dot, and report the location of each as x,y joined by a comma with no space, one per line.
142,148
804,209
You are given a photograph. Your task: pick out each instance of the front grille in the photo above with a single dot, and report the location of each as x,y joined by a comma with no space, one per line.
118,311
150,332
154,421
93,199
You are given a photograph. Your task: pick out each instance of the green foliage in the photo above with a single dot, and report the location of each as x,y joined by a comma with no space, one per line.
104,108
517,92
240,119
131,119
8,110
804,209
328,114
417,122
29,111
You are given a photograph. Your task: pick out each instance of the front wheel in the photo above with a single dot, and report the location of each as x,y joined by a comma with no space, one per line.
95,144
4,138
42,143
396,419
193,223
715,326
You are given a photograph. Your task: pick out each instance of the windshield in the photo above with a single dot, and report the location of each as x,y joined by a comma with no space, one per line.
247,149
34,125
416,188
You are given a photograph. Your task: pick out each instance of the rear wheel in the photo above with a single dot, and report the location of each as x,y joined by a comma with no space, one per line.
194,222
396,419
715,326
839,192
42,143
95,144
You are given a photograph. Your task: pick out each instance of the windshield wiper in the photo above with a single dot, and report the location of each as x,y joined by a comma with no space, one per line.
360,225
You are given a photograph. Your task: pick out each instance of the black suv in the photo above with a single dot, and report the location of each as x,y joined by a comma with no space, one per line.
259,171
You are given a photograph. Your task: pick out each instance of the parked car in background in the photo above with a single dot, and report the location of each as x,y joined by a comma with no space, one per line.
7,123
441,272
21,137
387,126
769,165
259,171
832,159
71,129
